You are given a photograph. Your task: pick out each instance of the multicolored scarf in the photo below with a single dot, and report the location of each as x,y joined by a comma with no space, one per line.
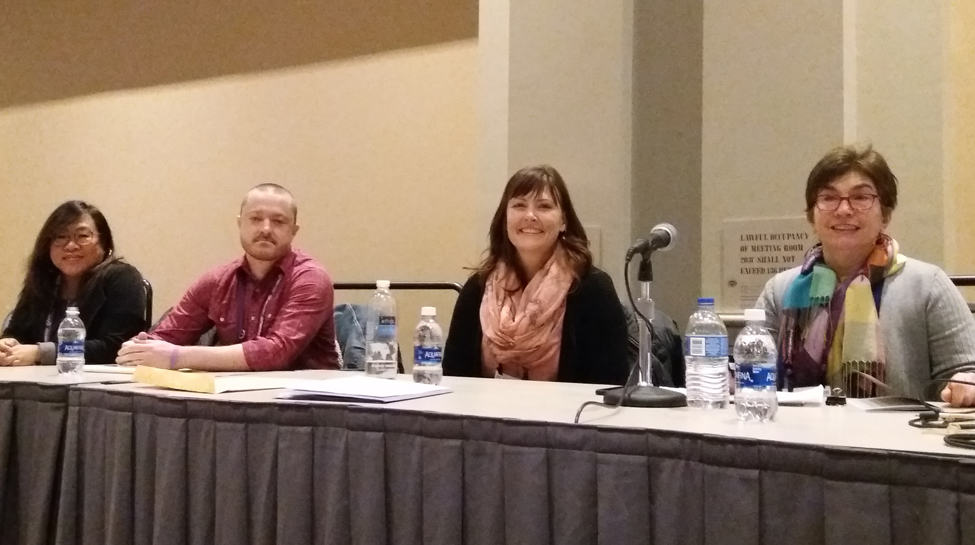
523,326
830,332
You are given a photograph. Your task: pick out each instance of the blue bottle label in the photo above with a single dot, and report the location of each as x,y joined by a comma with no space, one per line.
749,375
430,355
706,346
386,327
71,348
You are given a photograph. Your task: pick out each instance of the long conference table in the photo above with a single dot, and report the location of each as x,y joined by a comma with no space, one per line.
492,462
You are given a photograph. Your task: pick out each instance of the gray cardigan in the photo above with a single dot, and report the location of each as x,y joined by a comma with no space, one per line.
926,327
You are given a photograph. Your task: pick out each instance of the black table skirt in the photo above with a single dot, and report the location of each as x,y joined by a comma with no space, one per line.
142,469
32,418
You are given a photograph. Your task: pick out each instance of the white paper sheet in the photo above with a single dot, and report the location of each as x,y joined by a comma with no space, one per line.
361,388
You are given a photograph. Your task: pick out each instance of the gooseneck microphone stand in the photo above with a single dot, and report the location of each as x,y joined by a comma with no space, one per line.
644,393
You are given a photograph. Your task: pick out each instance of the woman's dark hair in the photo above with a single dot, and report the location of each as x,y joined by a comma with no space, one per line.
40,284
845,159
534,181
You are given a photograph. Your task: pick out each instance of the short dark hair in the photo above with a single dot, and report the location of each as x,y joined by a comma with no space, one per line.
842,160
532,181
273,188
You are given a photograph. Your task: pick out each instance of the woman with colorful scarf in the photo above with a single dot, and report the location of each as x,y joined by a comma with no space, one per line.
857,314
537,308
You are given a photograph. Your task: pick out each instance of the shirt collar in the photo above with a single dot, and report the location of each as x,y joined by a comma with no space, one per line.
285,265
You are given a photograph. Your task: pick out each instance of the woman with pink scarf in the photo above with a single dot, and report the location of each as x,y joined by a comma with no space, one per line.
857,314
537,309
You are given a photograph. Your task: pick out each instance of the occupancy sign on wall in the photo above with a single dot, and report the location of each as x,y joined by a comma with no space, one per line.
754,250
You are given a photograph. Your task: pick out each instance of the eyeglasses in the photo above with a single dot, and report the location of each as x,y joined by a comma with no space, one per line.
81,238
831,203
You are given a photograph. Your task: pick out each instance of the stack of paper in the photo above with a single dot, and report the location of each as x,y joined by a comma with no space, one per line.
888,403
361,389
108,368
807,396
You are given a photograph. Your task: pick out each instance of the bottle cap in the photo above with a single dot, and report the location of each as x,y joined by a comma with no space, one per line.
71,309
755,315
705,301
382,284
428,311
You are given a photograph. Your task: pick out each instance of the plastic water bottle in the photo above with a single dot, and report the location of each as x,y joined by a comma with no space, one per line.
428,348
706,358
381,344
71,343
755,370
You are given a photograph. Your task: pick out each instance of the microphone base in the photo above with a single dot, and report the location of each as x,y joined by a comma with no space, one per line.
644,396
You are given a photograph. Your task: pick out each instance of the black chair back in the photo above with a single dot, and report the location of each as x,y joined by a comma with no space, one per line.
964,281
148,315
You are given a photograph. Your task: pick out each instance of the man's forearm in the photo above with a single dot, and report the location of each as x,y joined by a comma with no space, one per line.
211,358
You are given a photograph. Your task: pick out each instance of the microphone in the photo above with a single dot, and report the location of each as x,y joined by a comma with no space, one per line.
644,393
662,237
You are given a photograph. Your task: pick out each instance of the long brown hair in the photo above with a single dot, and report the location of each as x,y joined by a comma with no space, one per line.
535,180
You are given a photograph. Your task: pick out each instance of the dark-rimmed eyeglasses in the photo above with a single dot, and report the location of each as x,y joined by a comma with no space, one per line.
81,238
831,203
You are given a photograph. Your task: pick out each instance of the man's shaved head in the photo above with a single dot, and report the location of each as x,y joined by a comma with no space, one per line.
270,187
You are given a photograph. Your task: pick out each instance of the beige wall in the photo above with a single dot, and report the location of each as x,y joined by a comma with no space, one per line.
379,149
557,87
772,104
667,85
570,106
900,83
493,90
959,126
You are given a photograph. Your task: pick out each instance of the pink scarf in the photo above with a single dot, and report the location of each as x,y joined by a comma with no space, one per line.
523,327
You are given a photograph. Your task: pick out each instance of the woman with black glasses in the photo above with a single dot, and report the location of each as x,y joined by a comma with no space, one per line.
73,264
857,314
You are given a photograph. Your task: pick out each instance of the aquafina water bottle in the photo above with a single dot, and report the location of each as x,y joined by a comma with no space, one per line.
755,370
428,348
381,343
71,343
706,358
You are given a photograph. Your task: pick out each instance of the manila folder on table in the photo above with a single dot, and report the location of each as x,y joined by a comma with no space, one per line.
360,389
207,383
